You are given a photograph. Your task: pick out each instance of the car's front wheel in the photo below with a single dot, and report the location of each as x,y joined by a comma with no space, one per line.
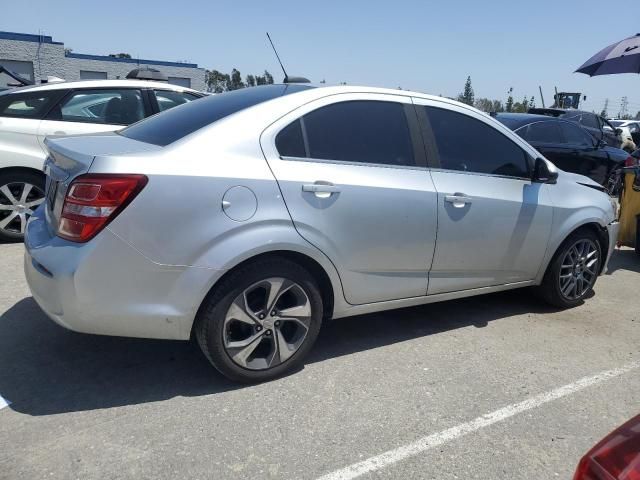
20,194
261,321
573,271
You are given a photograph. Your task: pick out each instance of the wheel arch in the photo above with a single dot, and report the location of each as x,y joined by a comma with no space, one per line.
326,286
29,170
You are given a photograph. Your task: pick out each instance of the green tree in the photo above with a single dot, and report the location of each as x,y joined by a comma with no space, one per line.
532,102
251,81
268,78
509,104
484,104
120,55
236,82
497,106
637,117
467,96
216,81
604,113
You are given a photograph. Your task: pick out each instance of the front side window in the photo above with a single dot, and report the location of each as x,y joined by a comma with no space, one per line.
110,107
355,131
469,145
574,135
542,132
590,121
29,104
168,99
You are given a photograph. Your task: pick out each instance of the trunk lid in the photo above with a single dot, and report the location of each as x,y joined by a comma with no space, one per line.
69,157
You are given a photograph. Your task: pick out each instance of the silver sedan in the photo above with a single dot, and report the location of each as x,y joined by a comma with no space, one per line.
248,218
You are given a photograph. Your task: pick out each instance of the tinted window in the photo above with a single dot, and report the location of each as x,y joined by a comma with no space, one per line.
179,122
290,142
168,99
543,132
28,104
590,121
112,107
361,132
470,145
575,135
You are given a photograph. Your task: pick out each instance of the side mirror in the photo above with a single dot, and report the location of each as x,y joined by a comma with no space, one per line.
543,172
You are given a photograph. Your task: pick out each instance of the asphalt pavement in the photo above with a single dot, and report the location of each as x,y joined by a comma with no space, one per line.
492,387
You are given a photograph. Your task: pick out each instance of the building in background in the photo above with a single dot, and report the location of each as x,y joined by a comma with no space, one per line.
36,57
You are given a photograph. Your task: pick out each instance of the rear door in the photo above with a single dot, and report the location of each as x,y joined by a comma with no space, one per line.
493,221
352,171
20,116
93,111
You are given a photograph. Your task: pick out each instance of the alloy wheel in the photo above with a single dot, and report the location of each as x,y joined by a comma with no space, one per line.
18,201
267,324
579,269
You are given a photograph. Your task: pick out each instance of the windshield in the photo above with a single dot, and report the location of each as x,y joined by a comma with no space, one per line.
185,119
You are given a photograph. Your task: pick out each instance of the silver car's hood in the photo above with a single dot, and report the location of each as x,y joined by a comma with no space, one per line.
574,177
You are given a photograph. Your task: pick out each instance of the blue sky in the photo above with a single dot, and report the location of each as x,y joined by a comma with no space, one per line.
420,45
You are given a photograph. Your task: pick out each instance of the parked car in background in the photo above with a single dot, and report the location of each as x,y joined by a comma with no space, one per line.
246,218
615,457
29,114
630,132
569,146
594,124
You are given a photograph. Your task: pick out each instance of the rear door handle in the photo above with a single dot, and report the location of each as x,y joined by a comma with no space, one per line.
458,200
322,190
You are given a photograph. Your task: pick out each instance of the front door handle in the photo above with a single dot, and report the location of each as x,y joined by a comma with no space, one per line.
321,189
458,200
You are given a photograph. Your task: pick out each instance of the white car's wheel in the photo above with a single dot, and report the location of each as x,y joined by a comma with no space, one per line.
20,194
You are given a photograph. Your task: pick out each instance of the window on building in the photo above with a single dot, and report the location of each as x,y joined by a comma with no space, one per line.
113,107
92,75
24,69
181,81
168,99
469,145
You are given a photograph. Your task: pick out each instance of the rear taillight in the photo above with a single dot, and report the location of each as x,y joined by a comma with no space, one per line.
630,161
616,457
92,201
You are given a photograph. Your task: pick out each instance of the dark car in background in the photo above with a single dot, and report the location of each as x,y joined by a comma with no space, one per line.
594,124
569,146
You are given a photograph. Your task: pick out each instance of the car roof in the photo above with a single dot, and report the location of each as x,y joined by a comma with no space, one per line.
517,120
101,84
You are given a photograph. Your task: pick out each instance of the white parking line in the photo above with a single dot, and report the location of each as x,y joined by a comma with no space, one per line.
430,441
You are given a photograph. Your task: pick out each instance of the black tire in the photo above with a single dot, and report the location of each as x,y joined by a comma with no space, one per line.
209,327
550,289
11,179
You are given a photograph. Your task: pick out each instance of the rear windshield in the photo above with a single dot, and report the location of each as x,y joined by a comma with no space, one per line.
180,121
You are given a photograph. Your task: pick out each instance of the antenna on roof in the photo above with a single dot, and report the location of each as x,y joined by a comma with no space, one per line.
287,79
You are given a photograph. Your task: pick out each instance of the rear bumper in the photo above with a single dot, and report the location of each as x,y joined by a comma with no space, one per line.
612,229
106,287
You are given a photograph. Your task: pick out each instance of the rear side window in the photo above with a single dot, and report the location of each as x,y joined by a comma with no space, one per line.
183,120
290,141
574,135
357,131
542,132
469,145
33,105
111,107
590,121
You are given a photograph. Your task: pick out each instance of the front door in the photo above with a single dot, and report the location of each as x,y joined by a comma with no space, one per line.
493,221
352,171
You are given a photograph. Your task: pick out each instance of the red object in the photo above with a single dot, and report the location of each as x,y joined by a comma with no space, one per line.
630,161
93,201
616,457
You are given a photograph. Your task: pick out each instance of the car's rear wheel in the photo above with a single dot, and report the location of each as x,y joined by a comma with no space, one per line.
573,271
20,194
261,321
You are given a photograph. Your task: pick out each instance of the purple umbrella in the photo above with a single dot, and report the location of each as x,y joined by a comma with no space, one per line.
621,57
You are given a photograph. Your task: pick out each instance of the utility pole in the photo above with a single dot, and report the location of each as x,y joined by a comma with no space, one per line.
541,97
624,105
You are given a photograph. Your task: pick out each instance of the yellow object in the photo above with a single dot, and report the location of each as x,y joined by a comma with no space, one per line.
629,210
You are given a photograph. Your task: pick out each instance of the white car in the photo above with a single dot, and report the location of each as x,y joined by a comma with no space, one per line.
29,114
629,133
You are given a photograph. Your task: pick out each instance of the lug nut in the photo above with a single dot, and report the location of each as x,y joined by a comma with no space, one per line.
274,313
261,316
277,323
258,328
268,332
